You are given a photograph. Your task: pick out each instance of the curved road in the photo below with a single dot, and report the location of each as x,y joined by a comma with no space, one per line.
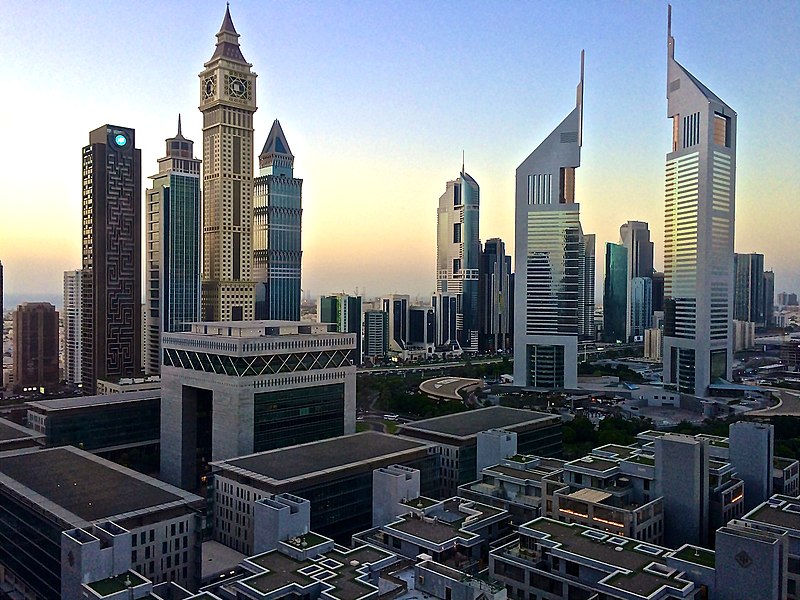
789,406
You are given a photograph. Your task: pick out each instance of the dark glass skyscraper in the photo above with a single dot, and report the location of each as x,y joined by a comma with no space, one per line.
111,283
173,246
35,345
277,214
748,289
345,312
496,297
615,294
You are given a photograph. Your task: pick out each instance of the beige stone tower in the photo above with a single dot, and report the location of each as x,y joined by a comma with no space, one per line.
227,101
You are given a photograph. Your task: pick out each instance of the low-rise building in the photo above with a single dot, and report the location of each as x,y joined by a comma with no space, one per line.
785,476
44,493
456,436
14,437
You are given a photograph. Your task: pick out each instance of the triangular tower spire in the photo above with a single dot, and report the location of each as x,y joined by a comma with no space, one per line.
180,133
227,22
276,151
228,40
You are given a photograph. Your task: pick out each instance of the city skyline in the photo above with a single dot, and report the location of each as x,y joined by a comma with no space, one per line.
346,92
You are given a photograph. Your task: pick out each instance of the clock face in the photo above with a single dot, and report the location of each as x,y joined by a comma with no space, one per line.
238,87
120,140
209,86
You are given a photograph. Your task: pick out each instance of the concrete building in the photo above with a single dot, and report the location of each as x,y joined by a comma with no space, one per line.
744,335
172,247
124,427
681,479
495,298
36,346
393,487
15,437
376,334
334,475
751,451
698,239
458,254
227,101
345,312
550,259
397,307
71,318
277,235
234,388
44,493
615,294
750,563
456,438
653,344
111,281
445,307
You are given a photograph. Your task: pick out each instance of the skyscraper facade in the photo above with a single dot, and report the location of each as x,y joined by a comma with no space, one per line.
586,326
71,317
458,250
397,307
36,345
173,247
227,101
615,294
748,288
376,334
550,286
277,213
445,307
698,232
495,297
641,313
111,281
345,312
769,298
635,236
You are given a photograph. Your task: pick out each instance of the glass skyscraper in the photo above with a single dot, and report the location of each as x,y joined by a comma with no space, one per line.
458,254
277,214
172,246
551,293
698,232
615,293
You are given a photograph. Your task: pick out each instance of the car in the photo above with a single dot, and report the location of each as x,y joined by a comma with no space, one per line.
391,417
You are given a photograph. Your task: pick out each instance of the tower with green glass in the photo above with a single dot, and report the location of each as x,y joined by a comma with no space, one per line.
277,221
172,247
615,294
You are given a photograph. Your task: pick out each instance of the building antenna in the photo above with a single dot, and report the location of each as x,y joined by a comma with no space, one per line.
462,162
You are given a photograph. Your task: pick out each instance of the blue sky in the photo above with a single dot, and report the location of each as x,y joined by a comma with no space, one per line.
378,100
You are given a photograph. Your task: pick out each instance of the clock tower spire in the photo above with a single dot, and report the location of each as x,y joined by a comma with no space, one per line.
227,101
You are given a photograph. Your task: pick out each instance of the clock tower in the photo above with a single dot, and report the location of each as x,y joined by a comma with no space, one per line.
227,101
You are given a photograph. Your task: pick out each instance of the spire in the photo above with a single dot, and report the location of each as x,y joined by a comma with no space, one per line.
180,133
228,41
670,39
227,22
462,161
579,103
276,142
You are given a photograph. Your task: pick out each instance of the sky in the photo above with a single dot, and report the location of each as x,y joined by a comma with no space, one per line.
378,99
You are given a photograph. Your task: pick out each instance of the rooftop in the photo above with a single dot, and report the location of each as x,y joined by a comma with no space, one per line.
89,488
86,401
112,585
448,520
255,329
782,511
10,431
470,423
301,461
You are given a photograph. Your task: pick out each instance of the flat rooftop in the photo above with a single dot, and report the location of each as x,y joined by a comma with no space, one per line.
470,423
10,431
251,329
102,400
448,387
287,464
782,511
449,523
87,487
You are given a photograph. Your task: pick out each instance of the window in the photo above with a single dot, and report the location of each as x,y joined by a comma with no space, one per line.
457,233
456,265
722,130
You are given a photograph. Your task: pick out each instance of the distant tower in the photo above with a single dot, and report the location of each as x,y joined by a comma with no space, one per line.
615,292
36,345
458,250
111,281
173,246
550,287
72,327
495,298
748,288
376,334
769,298
635,236
698,232
345,312
278,213
227,101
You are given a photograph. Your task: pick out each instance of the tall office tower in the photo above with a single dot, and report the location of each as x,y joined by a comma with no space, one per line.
586,326
111,281
641,313
658,292
422,327
72,327
345,312
173,247
698,232
36,345
227,101
376,334
2,330
277,214
550,259
682,480
751,447
748,288
495,297
445,306
635,236
615,294
396,306
458,251
769,298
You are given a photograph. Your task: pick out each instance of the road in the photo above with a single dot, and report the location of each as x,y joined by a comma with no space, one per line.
789,406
